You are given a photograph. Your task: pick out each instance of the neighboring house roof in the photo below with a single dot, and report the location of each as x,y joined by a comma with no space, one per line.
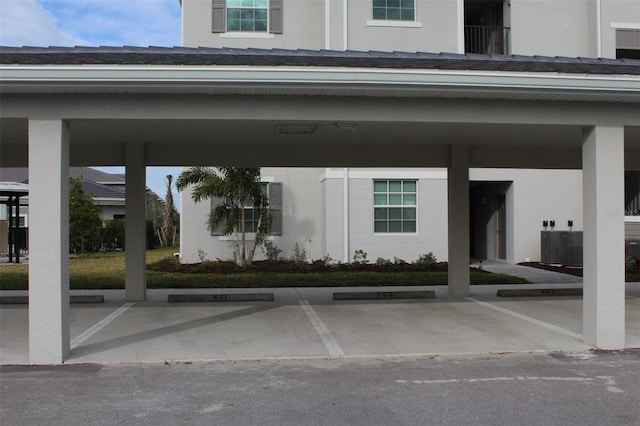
14,174
98,190
318,58
94,182
21,174
94,175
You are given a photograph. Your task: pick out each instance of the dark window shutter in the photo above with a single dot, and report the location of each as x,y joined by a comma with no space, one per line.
218,18
215,202
275,205
275,16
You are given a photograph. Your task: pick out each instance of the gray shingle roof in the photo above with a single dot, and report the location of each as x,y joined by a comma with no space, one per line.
97,190
282,57
21,174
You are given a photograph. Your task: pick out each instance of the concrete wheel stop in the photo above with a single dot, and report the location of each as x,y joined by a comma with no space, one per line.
540,292
231,297
24,300
383,295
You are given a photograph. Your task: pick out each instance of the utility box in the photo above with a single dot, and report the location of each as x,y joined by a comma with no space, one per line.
561,247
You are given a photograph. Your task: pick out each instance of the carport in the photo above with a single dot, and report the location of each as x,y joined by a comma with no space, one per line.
143,107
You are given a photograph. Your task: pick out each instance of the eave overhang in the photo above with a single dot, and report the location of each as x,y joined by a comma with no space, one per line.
318,73
231,80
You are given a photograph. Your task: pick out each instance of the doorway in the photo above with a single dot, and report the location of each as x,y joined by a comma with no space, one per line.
488,220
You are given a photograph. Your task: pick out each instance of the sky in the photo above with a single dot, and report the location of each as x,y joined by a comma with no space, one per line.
96,23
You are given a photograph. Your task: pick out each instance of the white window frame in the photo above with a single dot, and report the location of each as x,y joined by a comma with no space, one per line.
245,33
402,23
416,205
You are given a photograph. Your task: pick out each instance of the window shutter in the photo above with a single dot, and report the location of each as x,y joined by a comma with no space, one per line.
215,202
275,16
275,205
627,39
218,17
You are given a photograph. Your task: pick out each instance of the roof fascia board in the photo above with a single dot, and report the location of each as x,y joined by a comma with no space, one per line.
15,78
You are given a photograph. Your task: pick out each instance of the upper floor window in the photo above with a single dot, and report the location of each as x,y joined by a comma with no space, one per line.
394,10
395,206
247,16
627,43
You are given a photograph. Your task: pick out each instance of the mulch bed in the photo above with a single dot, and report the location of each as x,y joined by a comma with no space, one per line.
228,267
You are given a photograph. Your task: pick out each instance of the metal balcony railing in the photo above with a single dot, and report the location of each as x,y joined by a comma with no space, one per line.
486,40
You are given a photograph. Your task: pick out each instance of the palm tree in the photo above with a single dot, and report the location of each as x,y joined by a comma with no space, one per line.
170,216
237,188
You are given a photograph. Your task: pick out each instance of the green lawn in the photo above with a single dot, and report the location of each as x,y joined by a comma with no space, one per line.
106,271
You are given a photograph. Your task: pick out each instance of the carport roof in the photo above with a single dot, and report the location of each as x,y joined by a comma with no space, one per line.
313,58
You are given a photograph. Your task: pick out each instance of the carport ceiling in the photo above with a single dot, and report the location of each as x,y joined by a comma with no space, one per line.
267,132
319,144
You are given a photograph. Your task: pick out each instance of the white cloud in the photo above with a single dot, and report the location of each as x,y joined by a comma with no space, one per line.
90,22
27,23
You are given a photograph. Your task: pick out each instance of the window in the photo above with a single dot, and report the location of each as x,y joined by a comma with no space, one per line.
274,191
247,16
394,10
18,222
395,206
252,215
627,43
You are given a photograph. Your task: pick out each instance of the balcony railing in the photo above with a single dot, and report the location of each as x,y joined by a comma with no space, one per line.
486,40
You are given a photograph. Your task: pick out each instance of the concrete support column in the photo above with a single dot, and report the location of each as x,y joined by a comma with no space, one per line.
135,223
604,289
458,220
48,241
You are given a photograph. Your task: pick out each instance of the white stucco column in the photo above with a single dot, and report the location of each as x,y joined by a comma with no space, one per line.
604,286
458,221
48,241
135,223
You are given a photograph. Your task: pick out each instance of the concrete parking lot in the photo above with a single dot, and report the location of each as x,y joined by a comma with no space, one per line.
307,322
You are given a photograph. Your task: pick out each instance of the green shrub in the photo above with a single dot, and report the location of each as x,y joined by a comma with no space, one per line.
426,262
299,254
360,257
113,235
271,252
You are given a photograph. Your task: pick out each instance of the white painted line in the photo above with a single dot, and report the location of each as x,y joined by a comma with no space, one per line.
100,325
526,318
504,379
327,338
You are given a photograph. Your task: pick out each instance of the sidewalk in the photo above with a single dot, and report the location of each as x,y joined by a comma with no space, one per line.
533,275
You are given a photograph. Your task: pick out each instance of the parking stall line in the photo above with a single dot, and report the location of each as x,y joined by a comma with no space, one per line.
329,341
526,318
100,325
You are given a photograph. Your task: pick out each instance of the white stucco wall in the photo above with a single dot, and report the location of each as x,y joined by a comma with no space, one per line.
107,212
434,28
538,27
617,14
301,208
302,219
552,27
432,215
303,28
534,196
313,213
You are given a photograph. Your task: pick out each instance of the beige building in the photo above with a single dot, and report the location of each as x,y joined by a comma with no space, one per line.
332,211
141,107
